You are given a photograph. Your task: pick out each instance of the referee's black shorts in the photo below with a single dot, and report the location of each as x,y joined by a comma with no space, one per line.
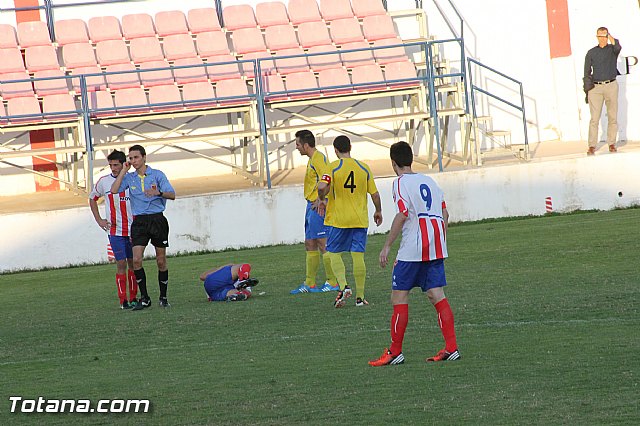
154,227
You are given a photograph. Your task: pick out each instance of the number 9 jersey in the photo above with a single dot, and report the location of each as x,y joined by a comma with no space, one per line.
351,180
421,200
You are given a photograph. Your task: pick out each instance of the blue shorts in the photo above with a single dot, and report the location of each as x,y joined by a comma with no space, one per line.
219,283
425,275
314,227
121,247
347,239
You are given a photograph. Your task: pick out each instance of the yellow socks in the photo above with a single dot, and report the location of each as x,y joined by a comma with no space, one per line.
313,263
338,269
331,277
359,272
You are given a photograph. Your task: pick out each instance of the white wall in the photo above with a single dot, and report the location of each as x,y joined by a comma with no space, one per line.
264,217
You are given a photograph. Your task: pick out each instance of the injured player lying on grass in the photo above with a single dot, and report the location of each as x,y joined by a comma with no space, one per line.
230,283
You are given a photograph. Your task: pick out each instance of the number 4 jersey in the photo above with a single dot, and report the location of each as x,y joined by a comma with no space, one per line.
351,180
421,200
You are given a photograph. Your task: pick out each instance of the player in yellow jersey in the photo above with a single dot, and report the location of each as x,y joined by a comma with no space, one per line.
315,232
346,186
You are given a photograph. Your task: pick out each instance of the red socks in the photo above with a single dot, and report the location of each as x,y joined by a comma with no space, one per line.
399,321
121,284
445,321
133,286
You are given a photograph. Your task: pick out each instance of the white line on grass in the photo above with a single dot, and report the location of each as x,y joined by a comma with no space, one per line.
506,324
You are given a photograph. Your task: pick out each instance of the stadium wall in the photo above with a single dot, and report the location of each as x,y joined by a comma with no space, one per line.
264,217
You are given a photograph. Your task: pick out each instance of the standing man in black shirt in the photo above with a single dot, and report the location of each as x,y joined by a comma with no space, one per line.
600,69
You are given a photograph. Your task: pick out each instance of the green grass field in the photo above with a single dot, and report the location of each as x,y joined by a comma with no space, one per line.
546,314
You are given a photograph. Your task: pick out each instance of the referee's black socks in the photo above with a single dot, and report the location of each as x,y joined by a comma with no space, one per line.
141,278
163,281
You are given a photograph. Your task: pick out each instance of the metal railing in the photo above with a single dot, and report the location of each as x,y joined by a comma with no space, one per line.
459,36
474,88
87,112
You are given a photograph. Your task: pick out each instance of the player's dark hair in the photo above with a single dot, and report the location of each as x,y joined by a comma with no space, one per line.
401,154
342,144
117,156
138,148
603,29
307,137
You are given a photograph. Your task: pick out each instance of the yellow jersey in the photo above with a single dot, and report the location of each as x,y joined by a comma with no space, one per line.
316,167
350,181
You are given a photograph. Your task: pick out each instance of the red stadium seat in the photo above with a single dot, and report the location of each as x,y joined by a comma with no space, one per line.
103,28
371,75
111,52
306,81
334,77
94,82
392,54
313,34
271,13
39,58
179,46
156,78
363,8
78,55
101,100
354,59
230,69
378,27
400,71
346,31
24,106
273,83
212,43
266,67
3,115
236,88
248,40
59,107
71,31
137,25
290,65
239,16
8,36
335,9
131,101
199,95
50,87
11,60
122,81
171,22
323,62
301,11
33,33
203,20
189,75
167,94
280,37
18,89
145,49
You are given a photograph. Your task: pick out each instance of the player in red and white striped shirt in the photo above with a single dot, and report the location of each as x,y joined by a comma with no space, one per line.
117,223
422,218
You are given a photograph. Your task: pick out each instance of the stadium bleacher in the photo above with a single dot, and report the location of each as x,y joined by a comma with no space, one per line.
174,61
121,49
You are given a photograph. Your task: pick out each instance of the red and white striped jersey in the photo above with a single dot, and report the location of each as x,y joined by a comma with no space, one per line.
117,206
421,200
